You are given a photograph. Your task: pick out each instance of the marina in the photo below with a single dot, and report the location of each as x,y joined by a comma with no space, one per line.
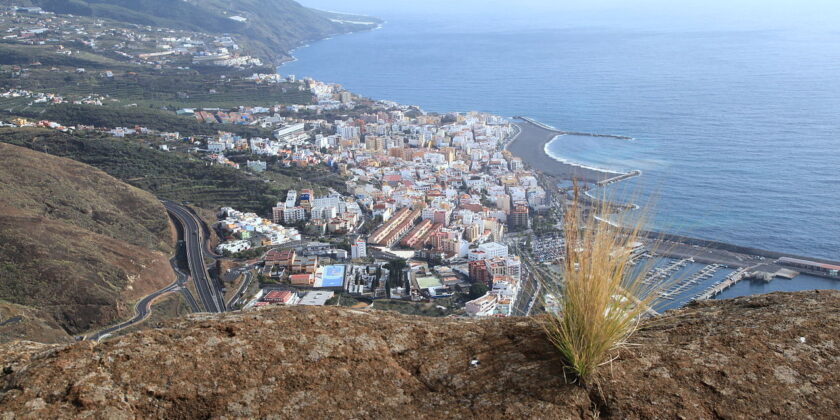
705,273
726,283
660,275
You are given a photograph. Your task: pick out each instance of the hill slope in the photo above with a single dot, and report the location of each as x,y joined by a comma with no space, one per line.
76,245
724,359
174,176
273,27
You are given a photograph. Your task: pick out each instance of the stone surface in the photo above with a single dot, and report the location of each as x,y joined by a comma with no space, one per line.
731,359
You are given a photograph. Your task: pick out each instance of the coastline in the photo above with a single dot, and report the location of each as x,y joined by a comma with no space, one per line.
530,145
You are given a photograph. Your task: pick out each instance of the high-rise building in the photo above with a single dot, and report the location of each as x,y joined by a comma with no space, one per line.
358,249
294,215
277,213
519,217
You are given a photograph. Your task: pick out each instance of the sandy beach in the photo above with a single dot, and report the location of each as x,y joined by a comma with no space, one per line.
529,145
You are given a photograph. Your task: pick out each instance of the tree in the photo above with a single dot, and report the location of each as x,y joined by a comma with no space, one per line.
395,267
477,290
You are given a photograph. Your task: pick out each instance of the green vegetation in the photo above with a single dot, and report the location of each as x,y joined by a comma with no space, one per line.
602,299
436,308
272,29
248,254
25,55
129,117
144,87
170,175
477,290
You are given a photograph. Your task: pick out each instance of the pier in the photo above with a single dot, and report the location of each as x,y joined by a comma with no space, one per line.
724,284
619,178
705,273
658,275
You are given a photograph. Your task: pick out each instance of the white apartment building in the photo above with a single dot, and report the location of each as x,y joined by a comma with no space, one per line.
494,249
358,249
294,215
483,306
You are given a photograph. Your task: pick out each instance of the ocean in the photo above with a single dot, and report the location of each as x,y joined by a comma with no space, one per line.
737,133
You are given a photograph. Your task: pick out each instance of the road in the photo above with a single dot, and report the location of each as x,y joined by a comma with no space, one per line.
242,288
528,293
208,291
143,308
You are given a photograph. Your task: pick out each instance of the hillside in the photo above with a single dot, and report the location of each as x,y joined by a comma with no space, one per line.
735,359
174,176
77,246
272,28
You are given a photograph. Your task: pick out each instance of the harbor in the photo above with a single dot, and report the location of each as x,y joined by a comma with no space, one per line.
690,268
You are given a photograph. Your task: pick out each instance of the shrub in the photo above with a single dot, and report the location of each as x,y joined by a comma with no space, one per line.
601,297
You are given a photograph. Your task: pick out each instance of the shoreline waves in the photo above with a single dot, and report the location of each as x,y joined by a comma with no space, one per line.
533,134
572,133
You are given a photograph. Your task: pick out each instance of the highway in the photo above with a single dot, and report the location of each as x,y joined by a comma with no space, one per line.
208,291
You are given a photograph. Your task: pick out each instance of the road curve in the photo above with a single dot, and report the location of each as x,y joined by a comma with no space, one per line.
208,292
142,310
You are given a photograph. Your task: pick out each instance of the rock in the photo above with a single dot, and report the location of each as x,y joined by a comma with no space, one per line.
305,362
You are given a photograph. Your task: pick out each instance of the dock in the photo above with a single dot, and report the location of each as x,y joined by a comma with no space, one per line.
724,284
705,273
658,275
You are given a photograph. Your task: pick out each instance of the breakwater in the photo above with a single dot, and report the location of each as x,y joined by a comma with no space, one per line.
571,133
619,178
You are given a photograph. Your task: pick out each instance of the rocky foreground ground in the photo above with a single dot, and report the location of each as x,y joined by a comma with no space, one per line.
770,356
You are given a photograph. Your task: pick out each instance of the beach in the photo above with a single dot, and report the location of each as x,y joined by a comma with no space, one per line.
529,144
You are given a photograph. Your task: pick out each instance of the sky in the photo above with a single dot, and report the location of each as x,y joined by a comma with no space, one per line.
728,14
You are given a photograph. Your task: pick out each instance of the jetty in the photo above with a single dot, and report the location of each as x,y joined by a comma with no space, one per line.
619,178
571,133
705,273
724,284
658,275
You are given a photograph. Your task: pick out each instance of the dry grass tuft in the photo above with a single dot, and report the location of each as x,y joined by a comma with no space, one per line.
602,297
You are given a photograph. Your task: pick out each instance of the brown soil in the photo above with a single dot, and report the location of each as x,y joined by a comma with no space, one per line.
77,246
730,359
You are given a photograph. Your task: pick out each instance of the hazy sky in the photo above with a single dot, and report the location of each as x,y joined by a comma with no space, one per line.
730,14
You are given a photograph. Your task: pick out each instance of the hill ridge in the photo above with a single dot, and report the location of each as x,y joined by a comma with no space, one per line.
742,358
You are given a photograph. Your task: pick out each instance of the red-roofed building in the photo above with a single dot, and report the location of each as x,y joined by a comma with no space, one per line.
282,257
284,297
302,279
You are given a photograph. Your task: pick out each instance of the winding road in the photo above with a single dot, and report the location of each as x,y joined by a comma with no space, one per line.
195,247
143,308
